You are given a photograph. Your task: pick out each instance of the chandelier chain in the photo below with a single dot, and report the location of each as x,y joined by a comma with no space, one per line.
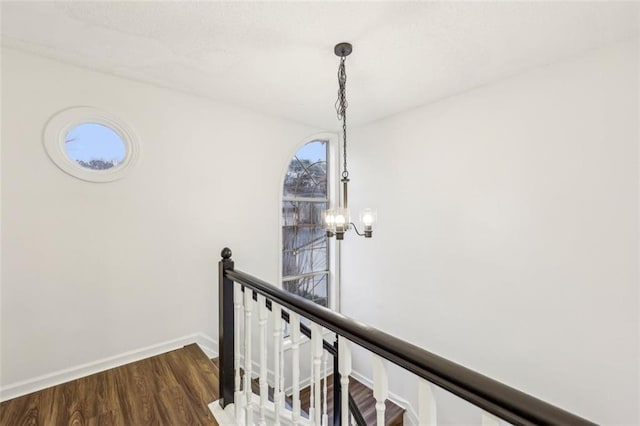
341,109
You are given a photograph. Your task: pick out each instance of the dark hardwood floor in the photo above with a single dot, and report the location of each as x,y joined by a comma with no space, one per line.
169,389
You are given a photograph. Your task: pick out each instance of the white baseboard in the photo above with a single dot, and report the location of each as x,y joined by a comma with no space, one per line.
208,345
410,414
14,390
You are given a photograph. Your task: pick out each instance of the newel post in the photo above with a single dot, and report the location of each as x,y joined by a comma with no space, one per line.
225,329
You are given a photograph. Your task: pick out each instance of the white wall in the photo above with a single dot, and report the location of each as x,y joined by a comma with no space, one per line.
513,205
94,270
508,232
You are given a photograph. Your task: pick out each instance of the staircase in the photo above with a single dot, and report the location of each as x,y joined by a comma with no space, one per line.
365,401
246,301
362,395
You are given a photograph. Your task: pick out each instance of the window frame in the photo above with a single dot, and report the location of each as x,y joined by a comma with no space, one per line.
54,139
333,274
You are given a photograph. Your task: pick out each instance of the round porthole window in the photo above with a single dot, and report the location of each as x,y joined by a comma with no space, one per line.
90,144
95,146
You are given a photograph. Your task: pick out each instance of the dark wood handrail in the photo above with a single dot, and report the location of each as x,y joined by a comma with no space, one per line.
306,331
492,396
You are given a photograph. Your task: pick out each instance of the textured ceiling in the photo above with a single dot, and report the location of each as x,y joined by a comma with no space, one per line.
277,57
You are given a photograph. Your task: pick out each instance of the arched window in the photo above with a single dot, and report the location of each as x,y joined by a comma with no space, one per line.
306,251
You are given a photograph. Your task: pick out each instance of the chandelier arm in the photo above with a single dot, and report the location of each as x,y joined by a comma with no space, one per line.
356,229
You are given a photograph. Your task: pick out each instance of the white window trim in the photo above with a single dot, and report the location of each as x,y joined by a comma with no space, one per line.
333,189
59,125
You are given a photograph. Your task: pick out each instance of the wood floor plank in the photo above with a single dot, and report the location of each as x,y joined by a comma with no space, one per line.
170,389
194,380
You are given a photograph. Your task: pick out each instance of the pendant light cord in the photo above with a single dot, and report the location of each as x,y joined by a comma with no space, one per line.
341,109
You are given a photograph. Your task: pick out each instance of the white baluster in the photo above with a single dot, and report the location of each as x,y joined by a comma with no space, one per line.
427,404
237,318
316,348
248,307
282,384
276,312
294,322
344,368
380,387
311,386
325,418
262,329
489,420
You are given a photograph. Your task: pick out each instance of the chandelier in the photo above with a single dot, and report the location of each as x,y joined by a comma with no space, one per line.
338,221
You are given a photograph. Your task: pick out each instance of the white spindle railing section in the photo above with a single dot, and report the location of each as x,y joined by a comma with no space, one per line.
344,368
316,349
380,387
427,404
312,394
325,417
319,372
248,309
280,390
241,292
237,314
263,313
276,315
294,323
318,412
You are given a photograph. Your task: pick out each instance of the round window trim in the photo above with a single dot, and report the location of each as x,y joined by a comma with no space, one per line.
59,125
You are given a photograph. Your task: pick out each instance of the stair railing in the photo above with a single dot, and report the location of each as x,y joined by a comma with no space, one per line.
239,291
332,349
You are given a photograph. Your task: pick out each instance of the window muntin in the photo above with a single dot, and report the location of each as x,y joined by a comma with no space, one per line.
305,248
307,173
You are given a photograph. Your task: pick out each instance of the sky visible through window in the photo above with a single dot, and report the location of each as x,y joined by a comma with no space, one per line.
92,141
313,151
